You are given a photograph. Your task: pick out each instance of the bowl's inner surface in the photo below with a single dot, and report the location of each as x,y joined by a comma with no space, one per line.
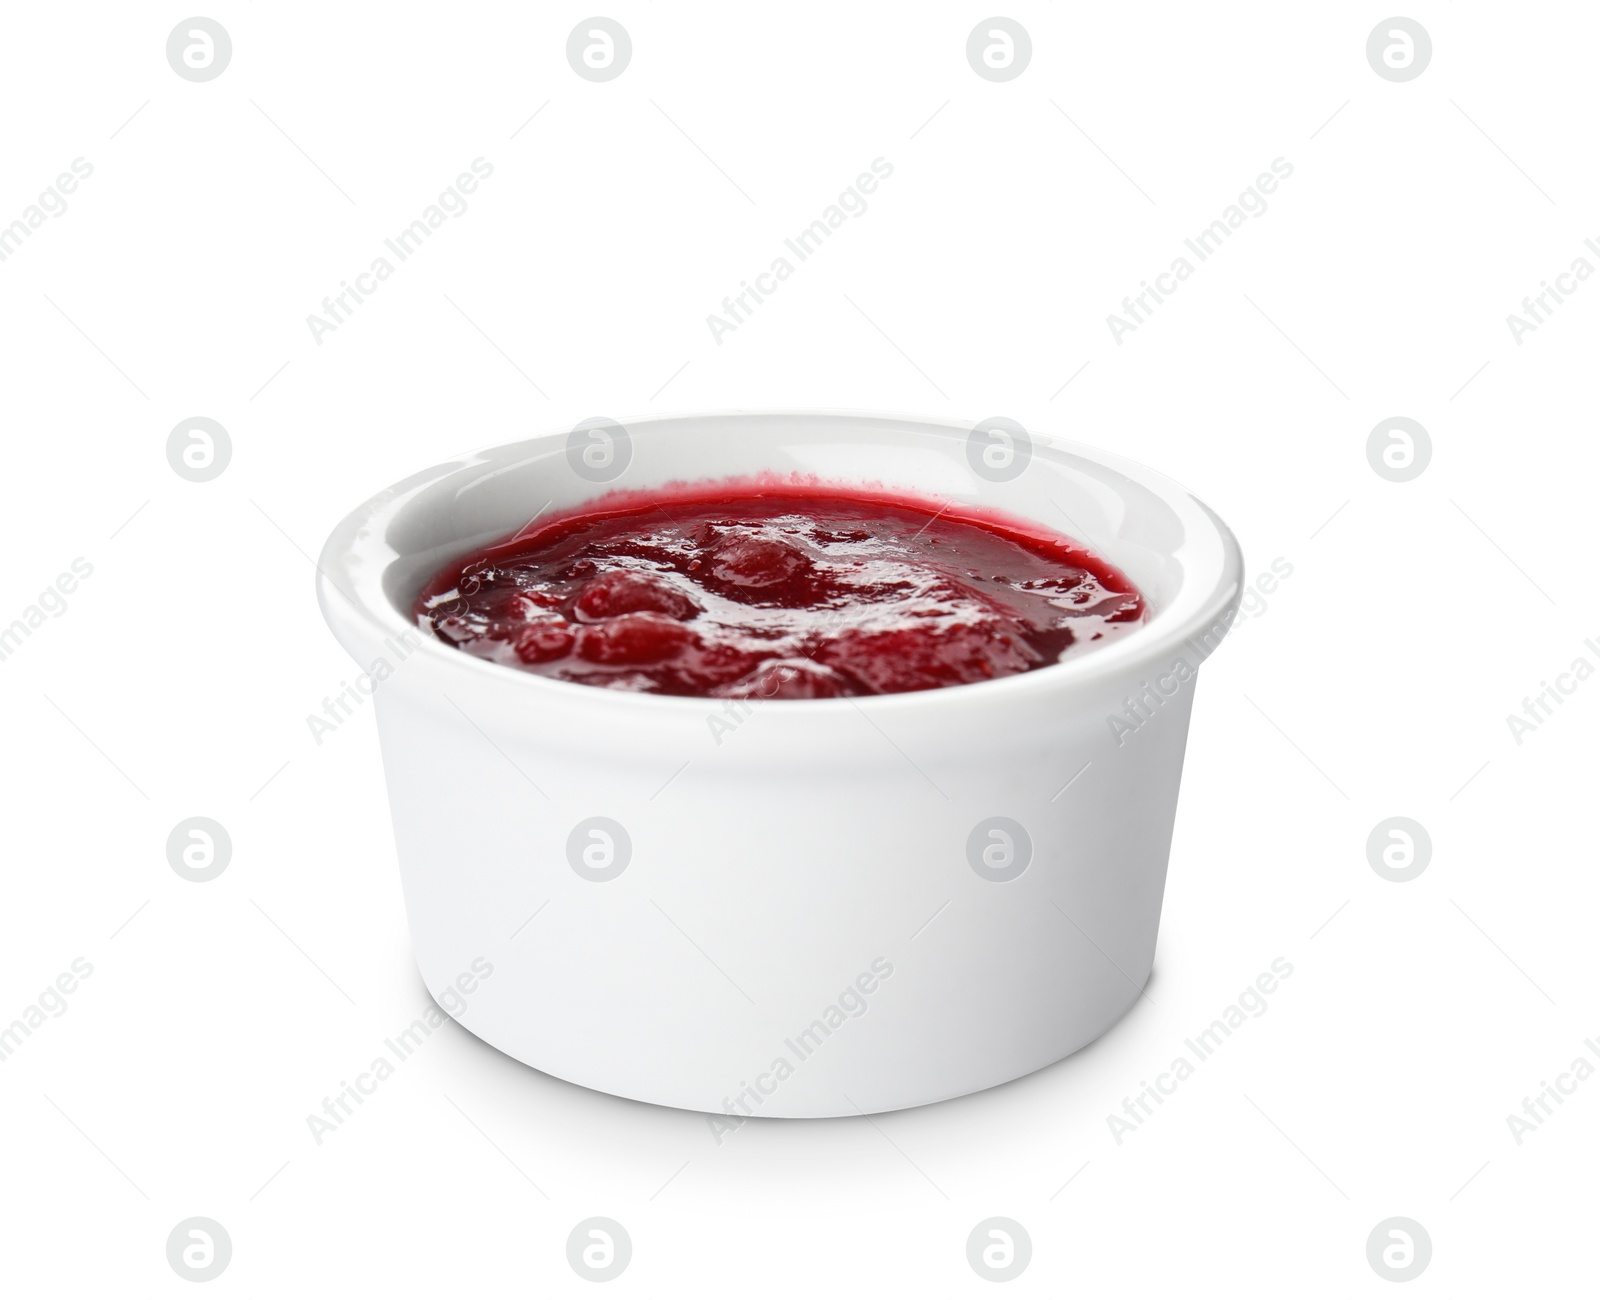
491,496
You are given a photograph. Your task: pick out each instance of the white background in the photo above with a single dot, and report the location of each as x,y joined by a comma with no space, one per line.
1375,683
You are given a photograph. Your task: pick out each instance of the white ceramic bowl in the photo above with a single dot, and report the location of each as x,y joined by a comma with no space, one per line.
787,907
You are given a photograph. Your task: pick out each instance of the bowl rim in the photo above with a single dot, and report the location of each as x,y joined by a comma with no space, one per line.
361,535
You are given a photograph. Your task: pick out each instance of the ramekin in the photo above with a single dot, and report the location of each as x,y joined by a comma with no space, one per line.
786,907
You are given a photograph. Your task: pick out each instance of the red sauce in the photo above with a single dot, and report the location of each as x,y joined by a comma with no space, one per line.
779,590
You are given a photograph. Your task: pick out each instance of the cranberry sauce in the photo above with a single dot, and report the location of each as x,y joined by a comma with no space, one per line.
781,591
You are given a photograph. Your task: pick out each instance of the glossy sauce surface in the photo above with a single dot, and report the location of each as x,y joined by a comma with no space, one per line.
779,591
